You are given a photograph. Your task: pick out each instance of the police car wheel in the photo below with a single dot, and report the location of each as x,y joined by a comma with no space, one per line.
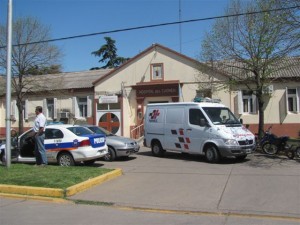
212,154
157,150
65,159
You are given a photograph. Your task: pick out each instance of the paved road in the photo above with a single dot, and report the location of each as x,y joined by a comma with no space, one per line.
259,185
177,189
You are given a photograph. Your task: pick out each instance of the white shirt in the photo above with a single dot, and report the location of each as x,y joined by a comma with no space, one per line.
40,121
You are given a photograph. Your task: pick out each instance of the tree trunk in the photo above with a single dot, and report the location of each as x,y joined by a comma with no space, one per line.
20,113
261,117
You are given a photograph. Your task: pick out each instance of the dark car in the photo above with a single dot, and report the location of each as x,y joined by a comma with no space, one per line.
117,146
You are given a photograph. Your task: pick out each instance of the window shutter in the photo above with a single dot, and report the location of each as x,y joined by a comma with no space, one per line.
89,106
75,108
54,108
240,102
45,109
254,99
283,107
286,101
26,110
298,99
13,109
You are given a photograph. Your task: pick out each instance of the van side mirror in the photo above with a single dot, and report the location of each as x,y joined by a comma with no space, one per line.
241,121
203,123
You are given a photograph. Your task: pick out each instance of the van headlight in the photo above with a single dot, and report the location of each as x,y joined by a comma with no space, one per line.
231,142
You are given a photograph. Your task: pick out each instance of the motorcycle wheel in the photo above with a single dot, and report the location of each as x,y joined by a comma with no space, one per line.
269,148
290,154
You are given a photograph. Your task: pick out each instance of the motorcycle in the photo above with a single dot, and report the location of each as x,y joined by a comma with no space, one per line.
272,144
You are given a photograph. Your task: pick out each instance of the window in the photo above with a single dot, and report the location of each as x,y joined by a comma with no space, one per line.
246,102
157,72
292,100
82,104
50,108
82,107
53,133
25,109
195,115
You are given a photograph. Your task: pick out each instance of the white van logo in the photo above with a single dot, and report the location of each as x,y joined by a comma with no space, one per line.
153,115
98,140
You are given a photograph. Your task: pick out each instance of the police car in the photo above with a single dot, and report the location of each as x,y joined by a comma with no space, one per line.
65,144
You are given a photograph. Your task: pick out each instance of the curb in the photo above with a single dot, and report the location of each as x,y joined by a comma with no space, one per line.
57,192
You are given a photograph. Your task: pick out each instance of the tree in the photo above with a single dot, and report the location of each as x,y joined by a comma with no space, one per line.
26,56
108,52
252,47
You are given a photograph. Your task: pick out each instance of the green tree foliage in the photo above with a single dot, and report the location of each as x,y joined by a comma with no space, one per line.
252,47
108,54
28,59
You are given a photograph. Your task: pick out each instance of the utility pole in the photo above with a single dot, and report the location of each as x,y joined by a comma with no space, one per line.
8,84
180,25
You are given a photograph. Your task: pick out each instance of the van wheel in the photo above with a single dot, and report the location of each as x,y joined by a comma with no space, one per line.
65,159
212,155
157,150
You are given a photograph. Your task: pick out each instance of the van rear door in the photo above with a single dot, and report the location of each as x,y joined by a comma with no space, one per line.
174,128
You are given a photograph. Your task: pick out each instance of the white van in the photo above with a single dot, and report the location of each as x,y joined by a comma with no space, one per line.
204,128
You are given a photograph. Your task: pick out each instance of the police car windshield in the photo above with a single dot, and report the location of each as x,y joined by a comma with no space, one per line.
80,131
221,116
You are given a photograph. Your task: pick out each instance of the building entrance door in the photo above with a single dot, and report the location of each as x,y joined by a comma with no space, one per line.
110,120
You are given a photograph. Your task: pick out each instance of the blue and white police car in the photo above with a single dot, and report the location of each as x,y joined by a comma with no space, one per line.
65,144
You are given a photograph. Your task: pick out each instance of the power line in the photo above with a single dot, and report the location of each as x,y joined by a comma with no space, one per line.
154,25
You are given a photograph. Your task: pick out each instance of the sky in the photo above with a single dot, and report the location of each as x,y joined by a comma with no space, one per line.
68,18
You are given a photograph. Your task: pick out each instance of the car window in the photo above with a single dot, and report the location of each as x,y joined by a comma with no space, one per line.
195,115
98,130
79,131
53,133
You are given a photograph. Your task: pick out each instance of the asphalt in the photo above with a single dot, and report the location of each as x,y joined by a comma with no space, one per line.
260,186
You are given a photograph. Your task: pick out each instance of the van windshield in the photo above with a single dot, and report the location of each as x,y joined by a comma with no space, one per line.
221,116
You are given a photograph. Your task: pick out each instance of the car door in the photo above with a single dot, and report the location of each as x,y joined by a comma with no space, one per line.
196,134
53,142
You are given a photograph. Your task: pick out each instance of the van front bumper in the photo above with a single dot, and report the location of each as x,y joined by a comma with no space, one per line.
226,151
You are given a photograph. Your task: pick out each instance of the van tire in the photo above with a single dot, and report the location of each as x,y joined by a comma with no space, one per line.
157,150
65,159
212,155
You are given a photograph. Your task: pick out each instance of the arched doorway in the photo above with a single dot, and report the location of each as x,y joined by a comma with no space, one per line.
110,121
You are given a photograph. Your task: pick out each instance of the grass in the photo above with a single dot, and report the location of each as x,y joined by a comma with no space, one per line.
51,176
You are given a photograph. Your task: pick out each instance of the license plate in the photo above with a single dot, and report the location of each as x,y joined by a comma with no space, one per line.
248,150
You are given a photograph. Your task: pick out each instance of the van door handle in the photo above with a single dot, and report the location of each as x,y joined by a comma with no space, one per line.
189,129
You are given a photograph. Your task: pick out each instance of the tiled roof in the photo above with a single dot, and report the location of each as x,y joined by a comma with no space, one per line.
288,68
61,81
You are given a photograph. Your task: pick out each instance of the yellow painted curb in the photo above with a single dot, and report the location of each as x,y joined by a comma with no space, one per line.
57,192
39,198
36,191
92,182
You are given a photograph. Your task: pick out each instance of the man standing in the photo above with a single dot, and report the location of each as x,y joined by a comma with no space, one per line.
39,129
